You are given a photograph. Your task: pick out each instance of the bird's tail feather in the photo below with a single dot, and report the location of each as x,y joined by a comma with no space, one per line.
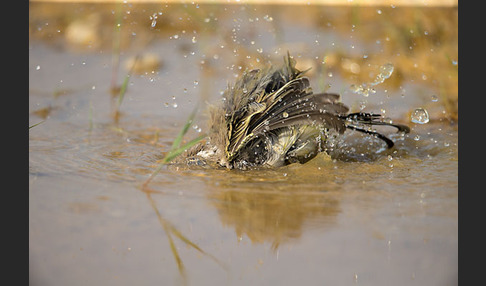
361,121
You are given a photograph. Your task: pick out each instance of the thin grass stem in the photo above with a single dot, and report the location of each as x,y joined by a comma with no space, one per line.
34,125
178,140
115,57
167,229
171,155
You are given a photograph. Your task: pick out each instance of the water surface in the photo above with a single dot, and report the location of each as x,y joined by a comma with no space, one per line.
369,217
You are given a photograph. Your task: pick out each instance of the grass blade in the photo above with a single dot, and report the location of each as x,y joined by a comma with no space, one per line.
172,154
171,229
32,126
178,140
115,55
176,149
167,227
124,86
177,233
178,259
123,90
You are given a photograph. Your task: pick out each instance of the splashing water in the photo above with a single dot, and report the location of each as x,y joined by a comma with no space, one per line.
420,116
154,19
365,89
362,89
385,72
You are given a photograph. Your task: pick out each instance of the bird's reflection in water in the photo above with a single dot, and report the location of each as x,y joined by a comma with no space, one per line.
269,206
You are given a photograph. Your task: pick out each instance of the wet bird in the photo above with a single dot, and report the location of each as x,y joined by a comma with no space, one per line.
271,117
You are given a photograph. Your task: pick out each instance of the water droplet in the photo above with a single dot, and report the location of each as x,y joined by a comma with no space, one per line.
268,18
154,20
416,138
434,98
357,88
362,105
194,40
387,70
420,116
285,114
196,83
174,105
37,67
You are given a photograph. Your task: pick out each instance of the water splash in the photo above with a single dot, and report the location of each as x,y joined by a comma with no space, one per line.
365,89
154,19
386,71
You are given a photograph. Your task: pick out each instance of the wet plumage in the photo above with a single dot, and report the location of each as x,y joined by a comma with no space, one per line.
271,117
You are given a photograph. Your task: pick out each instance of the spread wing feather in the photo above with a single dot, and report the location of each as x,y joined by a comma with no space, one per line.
292,104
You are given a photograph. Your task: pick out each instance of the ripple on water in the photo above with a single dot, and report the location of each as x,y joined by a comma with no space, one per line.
102,153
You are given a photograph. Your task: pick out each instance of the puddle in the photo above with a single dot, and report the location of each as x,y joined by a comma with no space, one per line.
369,217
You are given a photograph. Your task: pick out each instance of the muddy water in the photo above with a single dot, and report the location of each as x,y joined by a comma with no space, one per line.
366,216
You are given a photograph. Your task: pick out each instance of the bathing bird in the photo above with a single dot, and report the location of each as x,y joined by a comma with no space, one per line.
271,117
